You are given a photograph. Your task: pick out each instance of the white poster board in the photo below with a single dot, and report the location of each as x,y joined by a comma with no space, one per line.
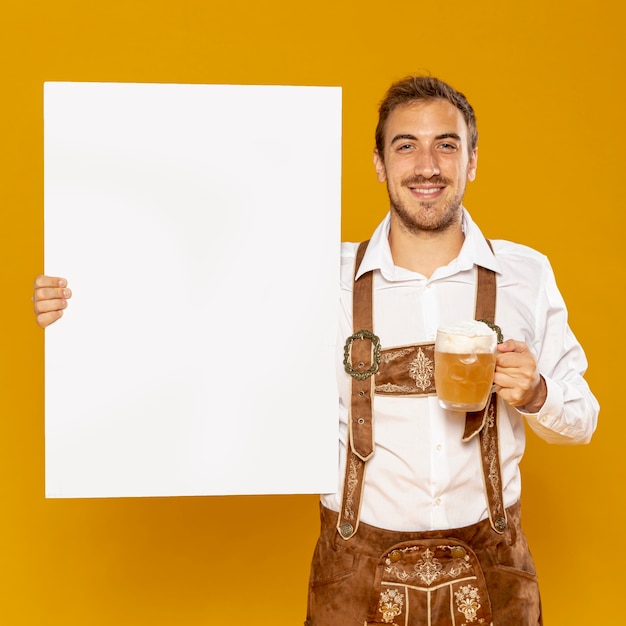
199,228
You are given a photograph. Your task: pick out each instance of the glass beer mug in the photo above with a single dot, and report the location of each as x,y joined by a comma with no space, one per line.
465,361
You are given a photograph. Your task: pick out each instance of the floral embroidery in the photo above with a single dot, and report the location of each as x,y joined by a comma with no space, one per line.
428,568
421,370
390,605
407,371
353,481
392,355
468,602
490,453
391,388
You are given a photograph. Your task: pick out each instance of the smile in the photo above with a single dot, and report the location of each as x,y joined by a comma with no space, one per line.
426,192
429,190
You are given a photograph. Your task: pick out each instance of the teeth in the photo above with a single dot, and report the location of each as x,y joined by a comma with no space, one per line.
430,190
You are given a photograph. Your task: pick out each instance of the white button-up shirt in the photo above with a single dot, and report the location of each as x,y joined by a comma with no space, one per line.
422,476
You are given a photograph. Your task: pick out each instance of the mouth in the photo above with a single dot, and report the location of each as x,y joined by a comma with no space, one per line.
422,191
423,188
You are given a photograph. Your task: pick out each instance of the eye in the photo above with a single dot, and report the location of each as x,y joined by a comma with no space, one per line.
404,147
446,146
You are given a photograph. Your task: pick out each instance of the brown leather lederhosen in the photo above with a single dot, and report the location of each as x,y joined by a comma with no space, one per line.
433,578
407,370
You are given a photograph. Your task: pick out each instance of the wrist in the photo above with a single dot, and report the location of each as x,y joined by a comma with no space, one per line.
539,397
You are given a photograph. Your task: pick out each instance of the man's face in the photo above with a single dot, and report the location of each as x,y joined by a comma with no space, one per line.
426,164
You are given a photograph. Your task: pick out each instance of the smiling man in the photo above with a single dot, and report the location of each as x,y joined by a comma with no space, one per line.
422,162
424,527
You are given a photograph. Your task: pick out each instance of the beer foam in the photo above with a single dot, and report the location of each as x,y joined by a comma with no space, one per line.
466,337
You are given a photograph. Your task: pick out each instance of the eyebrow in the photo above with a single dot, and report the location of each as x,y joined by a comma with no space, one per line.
414,138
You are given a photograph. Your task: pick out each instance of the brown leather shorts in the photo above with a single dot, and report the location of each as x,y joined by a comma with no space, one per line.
461,577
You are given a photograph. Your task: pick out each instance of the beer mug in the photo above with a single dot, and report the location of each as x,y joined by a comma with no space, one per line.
465,361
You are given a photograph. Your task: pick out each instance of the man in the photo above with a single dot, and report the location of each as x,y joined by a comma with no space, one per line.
424,527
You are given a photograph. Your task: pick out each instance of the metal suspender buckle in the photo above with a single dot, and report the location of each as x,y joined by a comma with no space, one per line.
359,373
496,329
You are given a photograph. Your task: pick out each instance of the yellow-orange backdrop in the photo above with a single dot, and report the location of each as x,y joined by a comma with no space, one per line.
547,80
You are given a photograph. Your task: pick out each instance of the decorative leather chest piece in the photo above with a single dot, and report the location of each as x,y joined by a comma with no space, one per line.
406,371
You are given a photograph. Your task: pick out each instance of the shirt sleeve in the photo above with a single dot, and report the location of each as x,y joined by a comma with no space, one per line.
570,413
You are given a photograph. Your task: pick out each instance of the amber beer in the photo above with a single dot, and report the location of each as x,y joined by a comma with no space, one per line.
465,360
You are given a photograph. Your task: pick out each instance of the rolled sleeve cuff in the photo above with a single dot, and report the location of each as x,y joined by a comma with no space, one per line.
548,422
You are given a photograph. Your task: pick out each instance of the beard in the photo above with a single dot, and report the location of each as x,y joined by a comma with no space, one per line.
430,215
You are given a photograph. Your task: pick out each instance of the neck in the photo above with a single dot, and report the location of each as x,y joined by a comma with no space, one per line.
424,251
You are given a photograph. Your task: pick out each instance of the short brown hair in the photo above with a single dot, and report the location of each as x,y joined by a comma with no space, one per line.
414,88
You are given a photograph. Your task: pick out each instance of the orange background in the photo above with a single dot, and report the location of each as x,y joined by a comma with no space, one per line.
547,81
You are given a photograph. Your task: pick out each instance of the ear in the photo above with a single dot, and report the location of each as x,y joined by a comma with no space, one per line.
381,173
472,165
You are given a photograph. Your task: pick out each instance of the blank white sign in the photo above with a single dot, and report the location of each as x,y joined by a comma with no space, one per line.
199,228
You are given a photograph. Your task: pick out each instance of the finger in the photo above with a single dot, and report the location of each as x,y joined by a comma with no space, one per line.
515,390
51,293
49,281
45,319
514,365
45,306
511,345
509,391
509,380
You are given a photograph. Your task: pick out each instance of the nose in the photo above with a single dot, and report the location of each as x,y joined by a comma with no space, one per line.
426,164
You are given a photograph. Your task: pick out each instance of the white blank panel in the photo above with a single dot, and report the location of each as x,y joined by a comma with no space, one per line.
199,227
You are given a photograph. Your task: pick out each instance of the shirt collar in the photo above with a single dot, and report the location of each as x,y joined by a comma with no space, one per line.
475,251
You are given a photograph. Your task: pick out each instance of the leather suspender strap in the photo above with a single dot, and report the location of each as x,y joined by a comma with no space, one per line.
492,470
485,422
485,310
362,352
363,356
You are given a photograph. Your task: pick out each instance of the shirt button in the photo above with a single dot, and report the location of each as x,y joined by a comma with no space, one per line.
437,501
439,447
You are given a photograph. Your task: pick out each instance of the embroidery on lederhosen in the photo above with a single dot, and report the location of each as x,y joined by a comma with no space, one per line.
492,469
430,581
406,370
